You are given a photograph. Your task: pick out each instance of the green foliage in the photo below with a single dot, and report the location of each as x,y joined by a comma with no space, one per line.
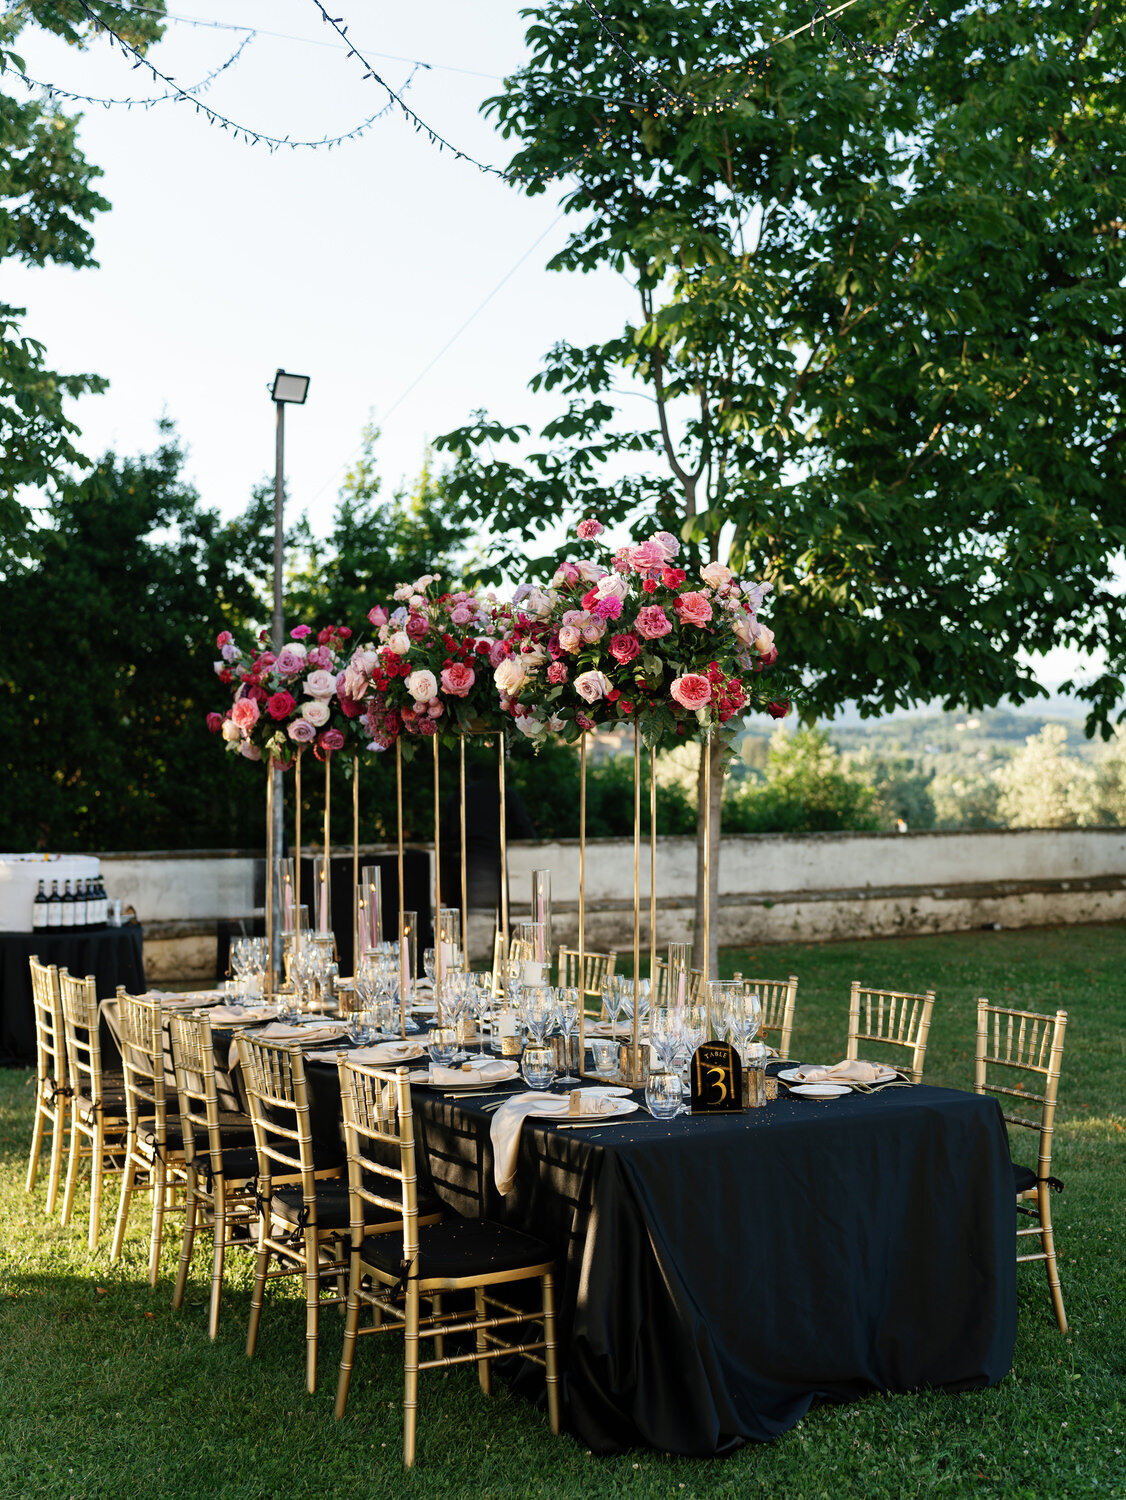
108,675
47,202
808,789
879,318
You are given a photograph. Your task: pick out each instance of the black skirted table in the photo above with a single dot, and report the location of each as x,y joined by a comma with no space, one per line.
717,1275
113,955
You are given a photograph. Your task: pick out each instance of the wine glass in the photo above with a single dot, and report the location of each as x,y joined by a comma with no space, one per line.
744,1016
612,998
568,1002
430,964
665,1035
539,1012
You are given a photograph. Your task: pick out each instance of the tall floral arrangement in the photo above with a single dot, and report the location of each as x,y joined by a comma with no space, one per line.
287,700
428,671
637,640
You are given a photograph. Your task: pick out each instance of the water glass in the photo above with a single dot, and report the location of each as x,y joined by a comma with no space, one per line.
538,1067
442,1046
604,1051
663,1095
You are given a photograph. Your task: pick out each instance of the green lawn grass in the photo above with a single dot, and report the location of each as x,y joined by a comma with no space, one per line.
105,1392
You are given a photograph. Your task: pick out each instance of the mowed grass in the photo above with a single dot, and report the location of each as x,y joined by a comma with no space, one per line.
105,1392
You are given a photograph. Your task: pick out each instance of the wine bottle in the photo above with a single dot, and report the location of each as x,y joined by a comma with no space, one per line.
81,888
103,903
54,906
68,906
39,910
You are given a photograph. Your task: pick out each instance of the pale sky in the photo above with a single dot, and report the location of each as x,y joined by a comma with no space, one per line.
220,262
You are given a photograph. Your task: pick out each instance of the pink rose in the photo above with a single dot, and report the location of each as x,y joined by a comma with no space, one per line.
299,632
652,622
593,629
556,674
301,732
591,686
461,615
567,573
331,740
647,556
245,713
457,679
691,690
668,543
281,705
378,615
435,708
609,608
320,656
583,722
590,572
224,638
230,652
623,648
497,653
214,722
693,609
251,752
590,529
290,661
764,640
715,575
320,684
570,638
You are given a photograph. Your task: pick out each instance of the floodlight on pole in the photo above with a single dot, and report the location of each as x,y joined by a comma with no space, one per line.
286,390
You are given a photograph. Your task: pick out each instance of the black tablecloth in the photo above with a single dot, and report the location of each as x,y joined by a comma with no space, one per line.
114,955
717,1275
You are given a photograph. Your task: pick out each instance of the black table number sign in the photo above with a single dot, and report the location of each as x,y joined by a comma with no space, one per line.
717,1080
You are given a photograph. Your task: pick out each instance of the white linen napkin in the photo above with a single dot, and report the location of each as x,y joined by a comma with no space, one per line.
851,1070
506,1124
233,1014
279,1032
488,1070
382,1055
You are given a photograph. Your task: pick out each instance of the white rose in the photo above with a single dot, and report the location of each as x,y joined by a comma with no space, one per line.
510,676
316,712
613,585
591,686
590,572
320,684
532,655
715,575
231,731
400,643
422,686
529,725
742,628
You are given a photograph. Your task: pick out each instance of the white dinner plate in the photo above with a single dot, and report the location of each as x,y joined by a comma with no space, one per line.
473,1080
609,1090
820,1090
621,1107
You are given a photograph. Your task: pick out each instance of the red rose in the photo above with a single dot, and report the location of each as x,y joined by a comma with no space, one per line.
351,708
225,676
672,578
650,585
281,705
331,740
778,710
768,658
214,722
344,632
259,694
625,706
623,648
224,638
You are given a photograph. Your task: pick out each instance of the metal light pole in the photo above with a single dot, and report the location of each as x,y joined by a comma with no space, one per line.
286,389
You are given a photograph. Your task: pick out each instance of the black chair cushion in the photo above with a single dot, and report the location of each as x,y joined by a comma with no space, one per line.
240,1165
458,1248
1024,1178
333,1211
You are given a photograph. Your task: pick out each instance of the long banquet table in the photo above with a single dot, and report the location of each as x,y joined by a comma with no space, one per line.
719,1274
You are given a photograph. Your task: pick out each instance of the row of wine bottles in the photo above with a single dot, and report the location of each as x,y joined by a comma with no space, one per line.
86,905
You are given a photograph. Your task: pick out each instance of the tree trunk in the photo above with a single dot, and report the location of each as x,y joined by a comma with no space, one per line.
715,750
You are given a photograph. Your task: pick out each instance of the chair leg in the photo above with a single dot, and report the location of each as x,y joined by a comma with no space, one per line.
260,1268
159,1197
71,1170
36,1145
348,1353
1048,1244
439,1341
219,1211
312,1308
191,1211
549,1355
484,1368
128,1178
410,1378
62,1111
97,1168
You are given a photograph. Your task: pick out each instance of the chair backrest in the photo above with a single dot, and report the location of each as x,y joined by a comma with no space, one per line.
891,1018
379,1129
50,1031
83,1048
193,1057
778,997
660,988
273,1075
596,968
142,1058
517,952
1011,1045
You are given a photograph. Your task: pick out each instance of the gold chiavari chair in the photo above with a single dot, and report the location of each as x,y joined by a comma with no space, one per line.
518,952
660,988
220,1160
1011,1045
890,1018
779,997
52,1090
304,1218
596,968
154,1147
99,1123
395,1275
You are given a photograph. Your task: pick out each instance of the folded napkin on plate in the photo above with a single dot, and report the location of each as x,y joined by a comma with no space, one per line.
280,1032
236,1015
851,1070
504,1129
382,1055
488,1070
